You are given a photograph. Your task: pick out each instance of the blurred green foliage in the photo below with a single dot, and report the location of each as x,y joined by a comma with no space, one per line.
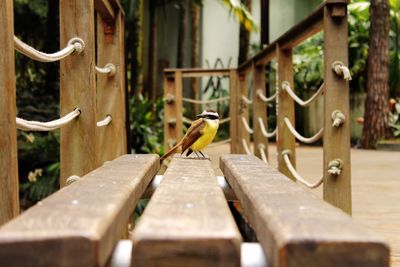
146,125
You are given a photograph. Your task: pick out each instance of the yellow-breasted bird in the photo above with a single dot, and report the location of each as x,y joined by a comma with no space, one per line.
199,135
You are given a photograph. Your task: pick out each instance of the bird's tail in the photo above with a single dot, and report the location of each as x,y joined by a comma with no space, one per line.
172,150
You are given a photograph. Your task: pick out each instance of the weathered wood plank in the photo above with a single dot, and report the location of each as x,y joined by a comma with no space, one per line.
78,89
187,221
284,138
243,112
234,93
9,196
197,72
80,224
337,189
294,226
111,139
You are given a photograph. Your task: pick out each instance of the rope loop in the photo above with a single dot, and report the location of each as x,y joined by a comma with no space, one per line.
335,167
340,69
108,69
286,157
261,148
307,140
298,100
246,126
264,130
246,100
75,46
78,44
104,122
246,147
72,179
264,98
26,125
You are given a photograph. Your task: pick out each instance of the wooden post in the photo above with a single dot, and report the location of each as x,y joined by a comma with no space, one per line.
9,197
243,112
173,131
337,189
285,140
111,89
78,90
233,110
259,111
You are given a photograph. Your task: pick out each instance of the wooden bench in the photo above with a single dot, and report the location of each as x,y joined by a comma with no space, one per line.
80,224
294,226
187,221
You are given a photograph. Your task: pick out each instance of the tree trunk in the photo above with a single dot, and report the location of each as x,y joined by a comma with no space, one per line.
376,103
183,30
195,52
244,37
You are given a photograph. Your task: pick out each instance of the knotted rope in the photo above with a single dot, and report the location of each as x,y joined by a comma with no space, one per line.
289,90
75,45
108,69
340,69
301,138
104,122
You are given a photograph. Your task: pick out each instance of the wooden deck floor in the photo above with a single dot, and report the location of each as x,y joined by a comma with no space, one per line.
375,187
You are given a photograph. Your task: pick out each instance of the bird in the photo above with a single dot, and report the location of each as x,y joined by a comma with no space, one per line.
199,135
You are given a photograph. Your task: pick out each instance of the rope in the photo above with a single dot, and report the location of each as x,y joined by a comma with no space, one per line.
307,140
264,98
109,69
47,126
72,179
286,86
226,141
261,148
340,69
295,173
246,147
246,100
246,126
76,45
210,101
104,122
264,130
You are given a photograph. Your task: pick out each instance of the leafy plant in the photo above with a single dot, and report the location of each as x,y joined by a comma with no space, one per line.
146,125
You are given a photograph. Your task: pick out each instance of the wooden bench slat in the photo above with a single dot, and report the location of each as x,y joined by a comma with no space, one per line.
294,226
80,224
187,221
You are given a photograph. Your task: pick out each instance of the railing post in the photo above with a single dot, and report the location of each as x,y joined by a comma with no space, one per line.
9,195
337,188
259,111
111,139
78,90
172,109
243,112
285,140
233,110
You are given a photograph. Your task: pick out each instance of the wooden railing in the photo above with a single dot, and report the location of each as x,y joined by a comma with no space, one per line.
331,18
100,98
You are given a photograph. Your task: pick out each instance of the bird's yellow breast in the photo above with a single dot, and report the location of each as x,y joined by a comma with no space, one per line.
209,133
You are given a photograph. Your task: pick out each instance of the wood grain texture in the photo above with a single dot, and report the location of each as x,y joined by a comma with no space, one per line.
285,139
111,139
234,93
294,226
173,132
78,89
259,111
337,189
80,224
9,197
187,221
